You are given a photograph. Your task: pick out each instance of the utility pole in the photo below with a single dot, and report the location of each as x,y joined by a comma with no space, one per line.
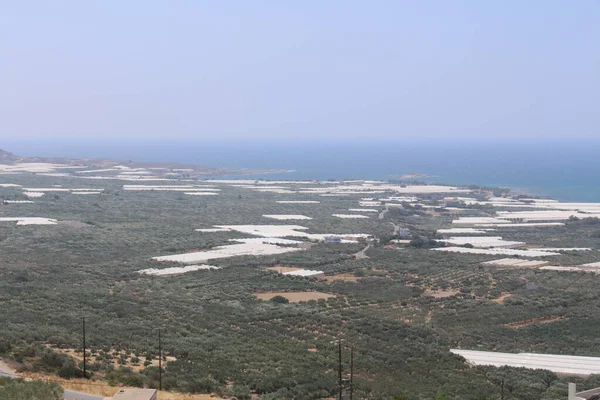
159,361
340,380
351,371
84,367
502,389
340,367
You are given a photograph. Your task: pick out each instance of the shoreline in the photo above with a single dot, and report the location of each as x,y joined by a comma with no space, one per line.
562,180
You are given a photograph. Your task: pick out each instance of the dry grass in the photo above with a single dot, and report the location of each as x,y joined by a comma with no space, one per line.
542,320
115,360
180,396
294,297
101,389
504,296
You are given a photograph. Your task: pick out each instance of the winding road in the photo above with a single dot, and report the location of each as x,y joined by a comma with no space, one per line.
6,374
361,255
396,228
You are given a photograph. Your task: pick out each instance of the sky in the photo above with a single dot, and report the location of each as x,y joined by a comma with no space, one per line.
304,70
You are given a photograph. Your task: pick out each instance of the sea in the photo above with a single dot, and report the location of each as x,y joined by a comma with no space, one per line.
563,169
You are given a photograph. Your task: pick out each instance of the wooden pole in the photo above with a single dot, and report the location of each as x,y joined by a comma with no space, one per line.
159,361
84,357
351,372
340,367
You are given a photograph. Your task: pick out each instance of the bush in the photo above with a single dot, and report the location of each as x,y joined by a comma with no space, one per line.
203,385
280,300
4,347
17,389
69,371
241,392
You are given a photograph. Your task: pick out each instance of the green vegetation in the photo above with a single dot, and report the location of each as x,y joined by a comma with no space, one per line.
280,300
219,338
17,389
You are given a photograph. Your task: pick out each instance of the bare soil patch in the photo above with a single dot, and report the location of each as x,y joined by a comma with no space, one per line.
294,297
442,293
429,316
7,367
504,296
347,277
281,269
542,320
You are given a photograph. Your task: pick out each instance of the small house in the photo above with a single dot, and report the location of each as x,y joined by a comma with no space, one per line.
588,394
333,239
403,232
136,394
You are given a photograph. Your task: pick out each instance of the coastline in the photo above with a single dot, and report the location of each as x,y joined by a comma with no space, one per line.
562,170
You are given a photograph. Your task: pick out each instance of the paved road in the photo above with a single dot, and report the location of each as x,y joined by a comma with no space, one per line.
6,374
361,255
382,213
69,394
396,230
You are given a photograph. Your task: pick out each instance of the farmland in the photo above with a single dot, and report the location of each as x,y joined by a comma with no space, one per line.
133,258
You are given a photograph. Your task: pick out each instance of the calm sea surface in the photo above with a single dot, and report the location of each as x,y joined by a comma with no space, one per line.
562,169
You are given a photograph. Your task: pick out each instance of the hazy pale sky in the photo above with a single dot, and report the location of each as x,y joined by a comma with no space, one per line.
299,69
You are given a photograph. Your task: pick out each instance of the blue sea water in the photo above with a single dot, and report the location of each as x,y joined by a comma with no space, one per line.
567,170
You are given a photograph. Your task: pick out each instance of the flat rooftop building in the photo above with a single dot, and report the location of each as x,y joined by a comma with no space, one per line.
136,394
